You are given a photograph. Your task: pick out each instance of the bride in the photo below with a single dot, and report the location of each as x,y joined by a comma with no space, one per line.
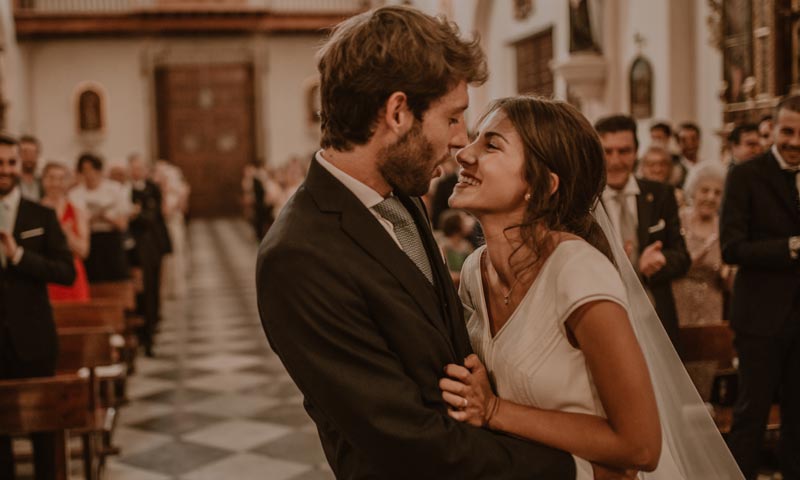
577,357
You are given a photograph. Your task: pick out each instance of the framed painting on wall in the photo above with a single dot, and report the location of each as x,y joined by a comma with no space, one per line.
641,88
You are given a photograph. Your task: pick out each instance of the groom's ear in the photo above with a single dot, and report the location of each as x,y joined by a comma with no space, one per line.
554,183
396,114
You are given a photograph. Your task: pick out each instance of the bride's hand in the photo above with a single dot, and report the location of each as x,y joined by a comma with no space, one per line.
468,392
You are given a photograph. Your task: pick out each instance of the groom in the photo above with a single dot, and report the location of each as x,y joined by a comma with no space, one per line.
352,290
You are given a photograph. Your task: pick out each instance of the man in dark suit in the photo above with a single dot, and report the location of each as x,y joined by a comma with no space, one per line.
352,291
33,252
645,215
760,232
149,231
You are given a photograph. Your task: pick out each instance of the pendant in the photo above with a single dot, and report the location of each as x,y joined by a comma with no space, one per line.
505,300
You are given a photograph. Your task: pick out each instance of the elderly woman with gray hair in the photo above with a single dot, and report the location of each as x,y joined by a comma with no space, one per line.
699,295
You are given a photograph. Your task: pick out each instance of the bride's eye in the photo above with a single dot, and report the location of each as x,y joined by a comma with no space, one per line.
491,146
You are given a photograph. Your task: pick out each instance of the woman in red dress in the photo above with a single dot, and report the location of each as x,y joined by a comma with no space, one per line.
75,225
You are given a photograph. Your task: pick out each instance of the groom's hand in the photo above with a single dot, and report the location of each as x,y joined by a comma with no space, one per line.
601,472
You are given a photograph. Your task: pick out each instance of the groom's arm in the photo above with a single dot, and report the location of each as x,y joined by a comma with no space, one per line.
320,327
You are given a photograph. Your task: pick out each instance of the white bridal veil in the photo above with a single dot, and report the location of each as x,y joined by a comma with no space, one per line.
691,442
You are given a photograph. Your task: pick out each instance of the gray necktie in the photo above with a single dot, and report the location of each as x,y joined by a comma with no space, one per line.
4,228
627,228
406,231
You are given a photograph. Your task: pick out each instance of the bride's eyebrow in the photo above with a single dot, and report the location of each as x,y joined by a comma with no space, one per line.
489,135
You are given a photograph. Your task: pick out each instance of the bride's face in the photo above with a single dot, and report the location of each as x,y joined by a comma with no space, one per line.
492,175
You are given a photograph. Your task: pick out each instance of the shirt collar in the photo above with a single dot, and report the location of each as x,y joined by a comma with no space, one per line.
781,162
365,194
11,201
631,188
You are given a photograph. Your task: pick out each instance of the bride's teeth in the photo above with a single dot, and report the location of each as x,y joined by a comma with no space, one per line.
468,180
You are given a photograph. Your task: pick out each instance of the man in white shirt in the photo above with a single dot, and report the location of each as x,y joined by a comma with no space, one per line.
760,232
645,215
30,183
688,137
33,252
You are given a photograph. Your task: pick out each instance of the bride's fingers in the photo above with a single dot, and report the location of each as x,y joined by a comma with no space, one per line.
453,386
457,415
457,371
453,400
472,362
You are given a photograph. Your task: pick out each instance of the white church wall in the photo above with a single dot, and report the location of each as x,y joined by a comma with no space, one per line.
291,66
123,68
59,68
14,71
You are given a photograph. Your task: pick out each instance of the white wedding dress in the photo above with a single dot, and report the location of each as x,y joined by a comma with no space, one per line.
530,359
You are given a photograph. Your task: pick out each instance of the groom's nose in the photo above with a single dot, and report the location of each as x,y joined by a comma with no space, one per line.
460,138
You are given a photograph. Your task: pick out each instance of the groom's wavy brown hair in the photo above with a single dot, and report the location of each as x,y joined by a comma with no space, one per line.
556,138
390,49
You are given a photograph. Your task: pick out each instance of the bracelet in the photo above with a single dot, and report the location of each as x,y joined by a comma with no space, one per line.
492,411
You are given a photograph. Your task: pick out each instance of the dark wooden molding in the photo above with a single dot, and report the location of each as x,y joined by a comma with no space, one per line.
30,25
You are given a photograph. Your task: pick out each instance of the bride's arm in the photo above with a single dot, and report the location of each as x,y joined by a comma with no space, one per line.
631,435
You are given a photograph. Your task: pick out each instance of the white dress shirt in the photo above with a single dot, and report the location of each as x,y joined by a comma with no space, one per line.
11,204
109,197
785,166
363,193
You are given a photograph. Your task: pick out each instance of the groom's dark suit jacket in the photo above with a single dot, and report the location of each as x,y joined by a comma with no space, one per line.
366,338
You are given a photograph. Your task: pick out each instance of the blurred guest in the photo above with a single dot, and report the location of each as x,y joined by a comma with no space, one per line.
75,225
689,142
175,194
454,242
645,215
108,210
699,295
149,231
661,133
745,143
656,164
33,252
765,126
30,184
760,232
443,188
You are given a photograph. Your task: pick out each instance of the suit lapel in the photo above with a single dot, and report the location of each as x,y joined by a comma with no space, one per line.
363,228
644,208
21,223
450,304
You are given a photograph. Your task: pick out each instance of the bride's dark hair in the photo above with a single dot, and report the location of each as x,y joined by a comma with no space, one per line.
556,138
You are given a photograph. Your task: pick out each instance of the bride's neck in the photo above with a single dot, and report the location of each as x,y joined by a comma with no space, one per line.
501,243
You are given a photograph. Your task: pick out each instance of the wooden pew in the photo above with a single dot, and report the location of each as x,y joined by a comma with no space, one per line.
49,404
88,348
715,343
94,313
124,293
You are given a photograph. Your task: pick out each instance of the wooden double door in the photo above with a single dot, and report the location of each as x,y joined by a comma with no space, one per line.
206,127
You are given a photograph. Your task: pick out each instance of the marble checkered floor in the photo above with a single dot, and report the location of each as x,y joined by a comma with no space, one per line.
215,402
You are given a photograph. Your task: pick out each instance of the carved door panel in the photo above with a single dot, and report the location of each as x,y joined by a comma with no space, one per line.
205,126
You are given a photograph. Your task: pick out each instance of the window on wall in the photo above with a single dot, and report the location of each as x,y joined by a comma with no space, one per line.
534,55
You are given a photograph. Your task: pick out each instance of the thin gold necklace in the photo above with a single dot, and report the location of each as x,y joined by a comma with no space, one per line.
506,296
